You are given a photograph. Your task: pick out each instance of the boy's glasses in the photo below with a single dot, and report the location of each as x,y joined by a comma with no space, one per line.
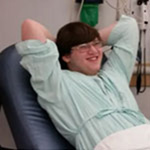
82,48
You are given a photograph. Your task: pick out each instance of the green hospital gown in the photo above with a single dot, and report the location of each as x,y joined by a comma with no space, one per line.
86,109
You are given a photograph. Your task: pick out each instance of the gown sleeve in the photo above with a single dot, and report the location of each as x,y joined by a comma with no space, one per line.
41,61
124,39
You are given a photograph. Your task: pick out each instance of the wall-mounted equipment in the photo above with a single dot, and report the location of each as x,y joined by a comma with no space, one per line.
143,5
140,2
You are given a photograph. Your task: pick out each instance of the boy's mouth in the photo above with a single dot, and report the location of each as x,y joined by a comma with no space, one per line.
93,58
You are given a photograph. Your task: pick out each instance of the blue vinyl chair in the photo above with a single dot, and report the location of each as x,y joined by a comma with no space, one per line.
30,125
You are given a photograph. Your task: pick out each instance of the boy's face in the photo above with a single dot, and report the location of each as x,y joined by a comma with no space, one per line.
85,58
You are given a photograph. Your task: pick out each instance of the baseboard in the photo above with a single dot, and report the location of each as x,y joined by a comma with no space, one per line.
134,78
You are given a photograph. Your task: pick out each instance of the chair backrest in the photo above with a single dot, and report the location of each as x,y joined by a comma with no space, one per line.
30,125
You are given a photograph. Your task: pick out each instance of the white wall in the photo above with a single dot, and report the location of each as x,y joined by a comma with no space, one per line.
143,100
53,14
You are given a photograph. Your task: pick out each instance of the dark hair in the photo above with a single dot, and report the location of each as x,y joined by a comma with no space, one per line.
73,34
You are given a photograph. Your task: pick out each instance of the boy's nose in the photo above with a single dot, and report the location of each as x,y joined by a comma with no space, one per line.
92,49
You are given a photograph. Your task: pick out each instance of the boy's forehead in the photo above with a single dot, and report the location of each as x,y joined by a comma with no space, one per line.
94,40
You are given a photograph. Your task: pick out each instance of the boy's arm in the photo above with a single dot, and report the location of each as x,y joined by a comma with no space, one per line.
105,32
33,30
124,38
40,59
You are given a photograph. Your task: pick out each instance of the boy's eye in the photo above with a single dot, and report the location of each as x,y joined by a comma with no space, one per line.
99,44
96,43
85,46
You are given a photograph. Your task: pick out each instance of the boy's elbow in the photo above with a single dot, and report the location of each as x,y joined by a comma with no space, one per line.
26,24
26,29
31,29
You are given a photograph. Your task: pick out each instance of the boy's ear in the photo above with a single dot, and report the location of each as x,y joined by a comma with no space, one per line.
66,58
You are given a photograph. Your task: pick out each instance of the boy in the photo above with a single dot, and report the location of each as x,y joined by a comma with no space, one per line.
87,102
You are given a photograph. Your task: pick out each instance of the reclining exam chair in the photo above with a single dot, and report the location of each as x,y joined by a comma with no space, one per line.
30,125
